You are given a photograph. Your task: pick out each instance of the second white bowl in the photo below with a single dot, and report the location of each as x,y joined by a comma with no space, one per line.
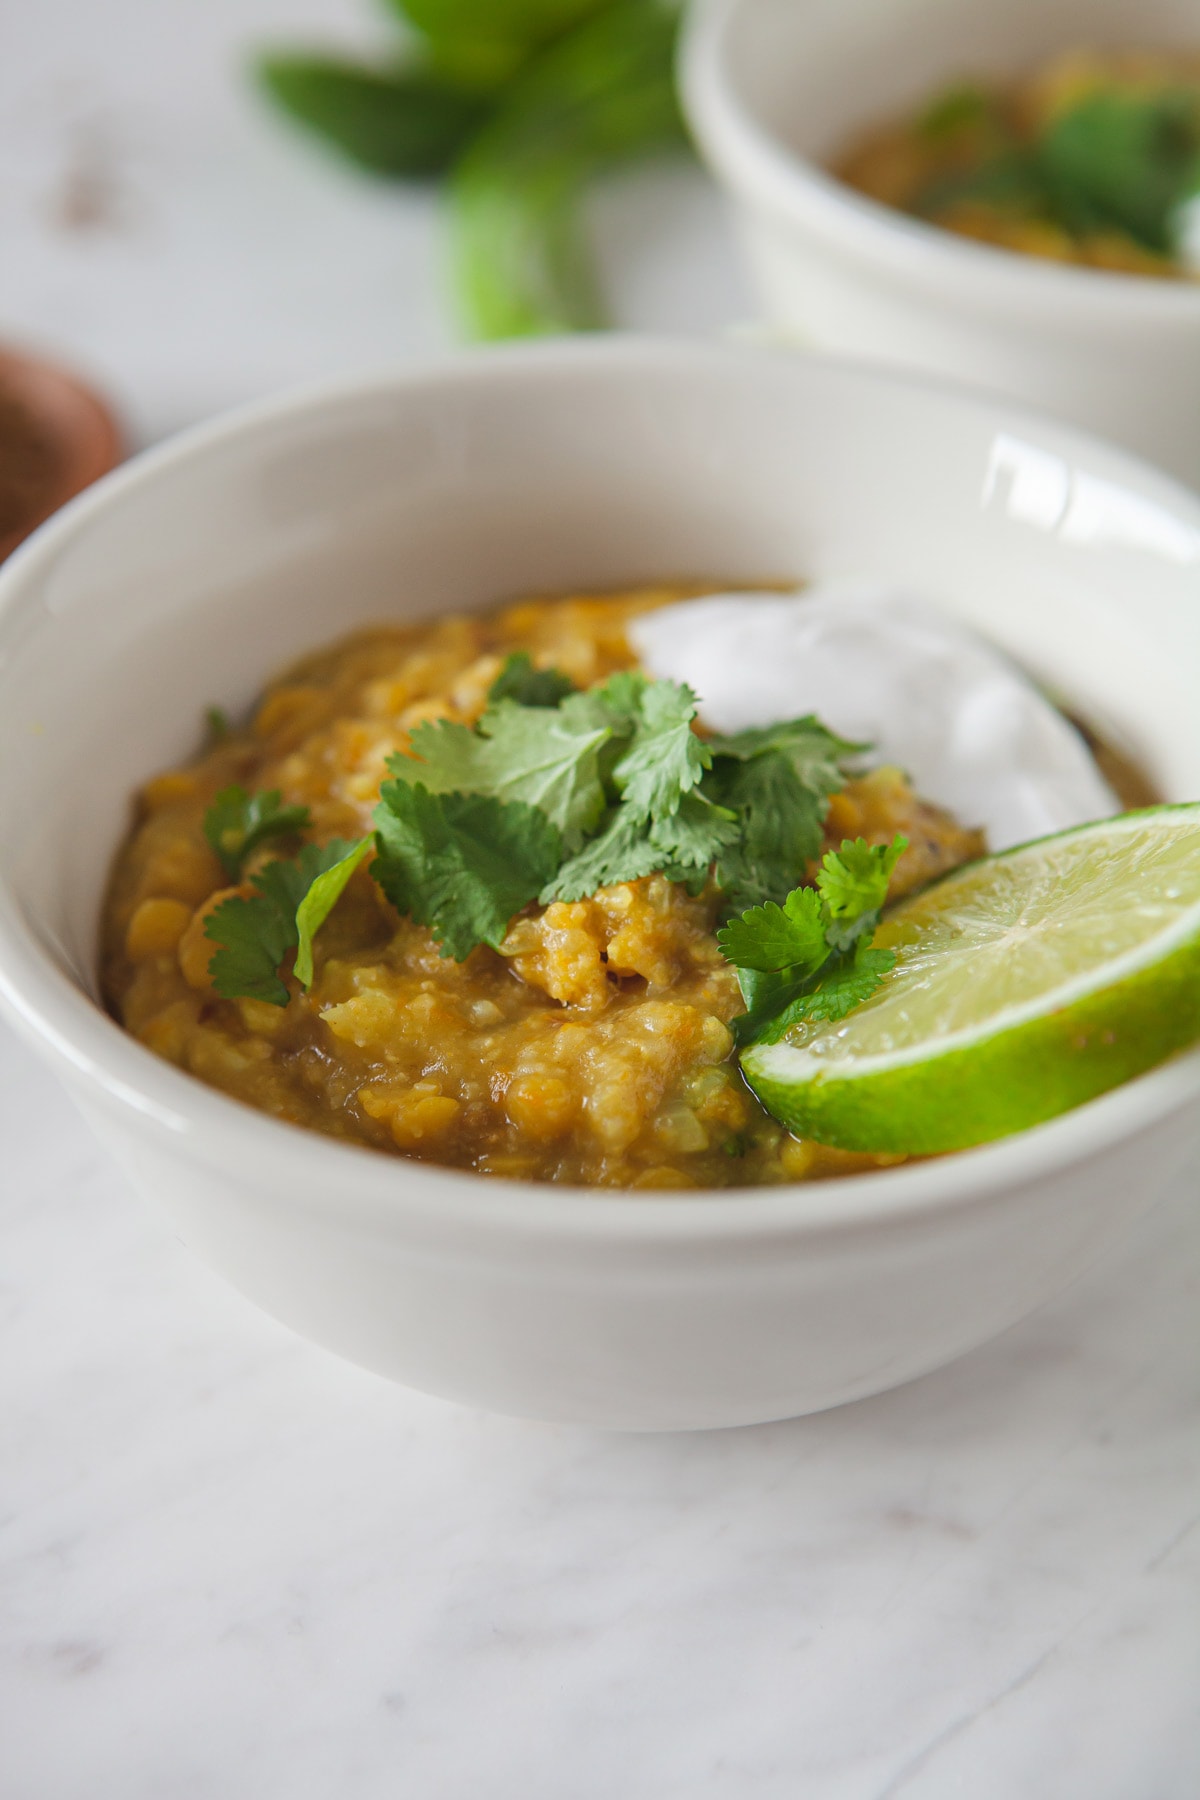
773,89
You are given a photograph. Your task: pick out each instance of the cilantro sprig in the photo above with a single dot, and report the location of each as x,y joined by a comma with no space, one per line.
553,794
812,957
254,932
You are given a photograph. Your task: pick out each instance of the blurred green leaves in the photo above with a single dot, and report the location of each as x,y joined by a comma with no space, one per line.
407,122
525,24
521,104
599,98
1125,162
1114,160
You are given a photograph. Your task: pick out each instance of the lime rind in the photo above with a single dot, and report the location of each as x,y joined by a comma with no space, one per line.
1016,1064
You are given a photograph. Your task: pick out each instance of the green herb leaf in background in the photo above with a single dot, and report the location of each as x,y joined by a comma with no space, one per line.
1113,161
216,724
596,99
964,107
393,122
237,824
1008,178
523,103
516,21
527,23
1124,162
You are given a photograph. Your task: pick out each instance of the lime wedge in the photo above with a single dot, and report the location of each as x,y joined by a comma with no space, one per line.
1024,984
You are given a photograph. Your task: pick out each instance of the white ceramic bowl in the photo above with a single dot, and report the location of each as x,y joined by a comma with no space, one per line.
188,577
773,88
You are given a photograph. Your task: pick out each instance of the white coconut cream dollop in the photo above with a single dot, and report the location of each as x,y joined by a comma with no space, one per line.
970,730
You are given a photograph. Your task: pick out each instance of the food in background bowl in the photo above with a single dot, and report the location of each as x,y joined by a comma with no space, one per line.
498,892
1093,159
775,95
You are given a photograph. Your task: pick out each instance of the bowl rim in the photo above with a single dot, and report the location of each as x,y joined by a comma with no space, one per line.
358,1184
765,171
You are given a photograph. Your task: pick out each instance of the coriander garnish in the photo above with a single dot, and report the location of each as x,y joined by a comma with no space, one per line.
555,793
811,958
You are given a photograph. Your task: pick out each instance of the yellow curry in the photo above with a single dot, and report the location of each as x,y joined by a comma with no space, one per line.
1091,159
593,1046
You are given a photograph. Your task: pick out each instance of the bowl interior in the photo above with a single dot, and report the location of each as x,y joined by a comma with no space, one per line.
814,75
190,577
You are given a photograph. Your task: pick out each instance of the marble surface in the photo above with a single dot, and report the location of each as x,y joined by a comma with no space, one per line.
232,1568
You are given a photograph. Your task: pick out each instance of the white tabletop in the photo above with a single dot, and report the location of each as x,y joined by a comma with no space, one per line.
235,1568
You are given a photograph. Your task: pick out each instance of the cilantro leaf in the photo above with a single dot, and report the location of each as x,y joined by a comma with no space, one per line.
237,824
543,756
254,932
518,680
661,822
848,981
1114,159
780,833
812,957
777,779
691,838
815,752
682,847
766,994
853,883
320,901
253,938
771,937
618,701
463,864
621,852
612,773
665,759
444,757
